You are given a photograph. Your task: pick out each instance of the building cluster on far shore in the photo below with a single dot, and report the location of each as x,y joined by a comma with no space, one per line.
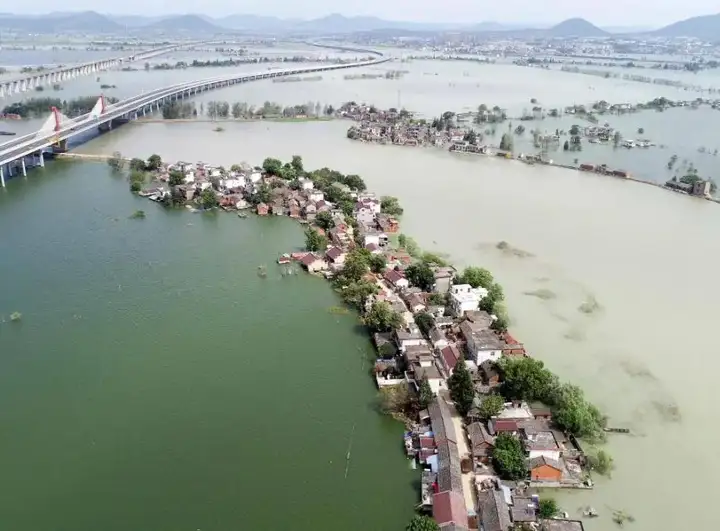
442,327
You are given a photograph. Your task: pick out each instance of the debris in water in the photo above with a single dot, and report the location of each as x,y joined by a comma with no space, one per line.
262,271
575,334
338,310
590,306
138,214
15,316
635,370
543,294
620,517
668,411
506,248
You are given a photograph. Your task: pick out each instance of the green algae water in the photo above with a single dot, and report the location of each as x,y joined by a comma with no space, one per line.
156,382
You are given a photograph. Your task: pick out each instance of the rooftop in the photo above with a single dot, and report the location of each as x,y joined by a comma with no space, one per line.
494,511
562,525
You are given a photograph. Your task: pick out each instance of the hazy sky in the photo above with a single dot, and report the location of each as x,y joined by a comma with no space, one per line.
604,12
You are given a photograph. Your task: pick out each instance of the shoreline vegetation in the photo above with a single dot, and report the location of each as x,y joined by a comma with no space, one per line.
40,107
241,110
445,358
238,61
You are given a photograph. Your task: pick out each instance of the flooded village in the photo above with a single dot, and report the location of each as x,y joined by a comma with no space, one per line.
487,424
472,133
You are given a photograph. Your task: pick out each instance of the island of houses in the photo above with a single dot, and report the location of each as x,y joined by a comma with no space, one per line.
439,329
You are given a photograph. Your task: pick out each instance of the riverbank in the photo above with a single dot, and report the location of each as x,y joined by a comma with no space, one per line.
438,332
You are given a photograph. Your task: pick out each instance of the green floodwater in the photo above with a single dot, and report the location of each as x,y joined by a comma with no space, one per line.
156,382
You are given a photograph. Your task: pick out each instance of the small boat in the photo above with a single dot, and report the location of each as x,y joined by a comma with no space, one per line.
284,259
7,133
242,215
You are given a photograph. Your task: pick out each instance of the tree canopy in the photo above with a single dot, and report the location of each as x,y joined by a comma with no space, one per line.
324,220
420,522
176,178
425,322
490,406
272,166
314,241
208,199
382,318
548,508
137,164
355,266
297,164
377,263
461,388
153,162
357,293
390,205
425,394
475,276
509,457
421,275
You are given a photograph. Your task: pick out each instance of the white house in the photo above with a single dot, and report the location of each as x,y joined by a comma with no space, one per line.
316,196
214,172
255,177
465,298
542,444
237,181
306,184
396,279
482,343
204,185
405,339
432,376
364,213
189,177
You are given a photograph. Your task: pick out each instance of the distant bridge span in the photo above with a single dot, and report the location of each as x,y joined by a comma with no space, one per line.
14,154
58,75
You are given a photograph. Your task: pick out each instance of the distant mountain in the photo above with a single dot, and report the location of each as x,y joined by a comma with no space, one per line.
706,28
575,27
257,23
134,21
84,22
628,30
187,23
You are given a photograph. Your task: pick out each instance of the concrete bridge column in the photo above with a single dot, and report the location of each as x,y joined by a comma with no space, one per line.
2,176
24,170
23,85
2,91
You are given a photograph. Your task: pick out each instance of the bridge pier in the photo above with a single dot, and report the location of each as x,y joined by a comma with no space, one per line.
24,169
2,175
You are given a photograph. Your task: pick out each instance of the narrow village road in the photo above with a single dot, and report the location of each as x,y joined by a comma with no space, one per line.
464,451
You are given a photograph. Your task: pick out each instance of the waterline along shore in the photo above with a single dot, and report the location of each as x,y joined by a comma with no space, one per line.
486,423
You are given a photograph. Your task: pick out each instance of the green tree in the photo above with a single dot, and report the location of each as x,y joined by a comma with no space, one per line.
176,178
528,379
208,199
324,220
491,406
461,388
272,166
357,293
506,142
314,241
297,164
421,275
263,194
436,299
135,186
548,508
476,277
420,522
356,265
576,415
377,263
390,205
355,182
382,318
407,243
509,457
500,324
601,462
425,322
153,163
425,394
137,164
116,162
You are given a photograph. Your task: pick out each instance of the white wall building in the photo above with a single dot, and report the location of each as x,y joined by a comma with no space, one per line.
465,298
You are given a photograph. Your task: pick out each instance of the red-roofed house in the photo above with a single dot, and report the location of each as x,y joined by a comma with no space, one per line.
503,426
396,278
374,248
262,209
313,263
335,256
450,356
449,508
512,347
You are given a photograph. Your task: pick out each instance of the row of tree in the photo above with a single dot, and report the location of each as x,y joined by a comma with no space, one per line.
40,107
240,109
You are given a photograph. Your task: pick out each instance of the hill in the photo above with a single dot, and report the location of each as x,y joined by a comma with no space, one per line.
186,23
84,22
575,27
706,27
